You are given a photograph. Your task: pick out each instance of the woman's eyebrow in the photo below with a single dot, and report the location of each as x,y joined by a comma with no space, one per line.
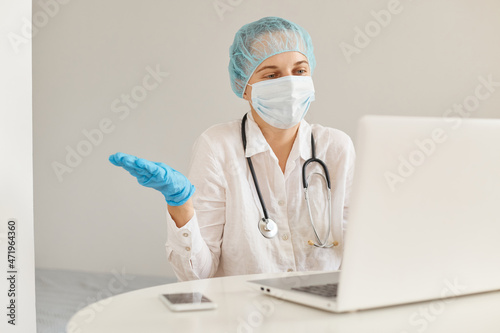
266,67
275,67
300,62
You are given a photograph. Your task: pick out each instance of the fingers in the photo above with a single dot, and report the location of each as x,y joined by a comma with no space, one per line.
137,167
147,166
127,162
121,159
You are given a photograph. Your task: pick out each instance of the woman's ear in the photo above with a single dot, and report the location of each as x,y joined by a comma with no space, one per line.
246,94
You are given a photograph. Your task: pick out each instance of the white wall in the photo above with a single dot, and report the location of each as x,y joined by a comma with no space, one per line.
97,218
16,170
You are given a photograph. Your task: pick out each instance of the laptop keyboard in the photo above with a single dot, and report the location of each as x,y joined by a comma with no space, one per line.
325,290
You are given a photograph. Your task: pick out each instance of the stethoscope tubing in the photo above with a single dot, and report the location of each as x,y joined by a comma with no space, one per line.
268,227
305,184
311,160
252,170
320,243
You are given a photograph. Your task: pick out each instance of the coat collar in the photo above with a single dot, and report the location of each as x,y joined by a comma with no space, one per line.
256,142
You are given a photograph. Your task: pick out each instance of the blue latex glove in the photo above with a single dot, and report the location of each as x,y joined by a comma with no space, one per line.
172,184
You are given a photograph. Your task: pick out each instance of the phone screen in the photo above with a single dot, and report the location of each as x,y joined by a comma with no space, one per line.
187,298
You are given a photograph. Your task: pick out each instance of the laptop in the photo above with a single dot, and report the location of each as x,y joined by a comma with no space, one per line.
424,217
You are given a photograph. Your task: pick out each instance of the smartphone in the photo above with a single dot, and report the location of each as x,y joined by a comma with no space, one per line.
187,301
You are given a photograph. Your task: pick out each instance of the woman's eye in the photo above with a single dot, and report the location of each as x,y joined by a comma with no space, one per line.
301,71
271,76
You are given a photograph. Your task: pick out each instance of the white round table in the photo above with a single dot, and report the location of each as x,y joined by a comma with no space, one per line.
241,308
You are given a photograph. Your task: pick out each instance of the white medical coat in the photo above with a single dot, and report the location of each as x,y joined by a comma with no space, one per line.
223,239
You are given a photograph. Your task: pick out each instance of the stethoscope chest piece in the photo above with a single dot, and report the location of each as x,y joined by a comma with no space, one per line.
268,228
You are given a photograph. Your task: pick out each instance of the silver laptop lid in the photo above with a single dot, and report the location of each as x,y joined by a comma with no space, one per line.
425,211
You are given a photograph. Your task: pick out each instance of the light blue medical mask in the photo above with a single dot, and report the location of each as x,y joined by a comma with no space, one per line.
283,102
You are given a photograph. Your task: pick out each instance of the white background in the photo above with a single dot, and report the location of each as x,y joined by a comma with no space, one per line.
16,167
97,218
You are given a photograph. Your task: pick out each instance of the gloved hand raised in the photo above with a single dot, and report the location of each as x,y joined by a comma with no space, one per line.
172,184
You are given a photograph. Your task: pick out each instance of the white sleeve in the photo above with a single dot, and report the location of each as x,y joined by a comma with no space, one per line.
194,250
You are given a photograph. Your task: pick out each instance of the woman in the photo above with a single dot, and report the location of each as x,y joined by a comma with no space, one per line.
219,229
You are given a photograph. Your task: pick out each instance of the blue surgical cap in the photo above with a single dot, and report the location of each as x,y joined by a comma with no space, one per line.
259,40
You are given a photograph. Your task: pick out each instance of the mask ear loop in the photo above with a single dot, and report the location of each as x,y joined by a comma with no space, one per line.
245,116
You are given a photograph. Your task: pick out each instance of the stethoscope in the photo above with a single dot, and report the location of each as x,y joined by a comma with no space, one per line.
267,227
